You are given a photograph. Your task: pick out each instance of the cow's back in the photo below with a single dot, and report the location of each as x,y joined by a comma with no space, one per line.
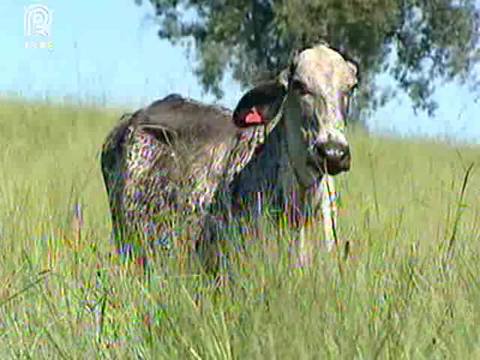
191,121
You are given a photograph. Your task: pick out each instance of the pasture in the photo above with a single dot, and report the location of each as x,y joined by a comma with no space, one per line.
410,287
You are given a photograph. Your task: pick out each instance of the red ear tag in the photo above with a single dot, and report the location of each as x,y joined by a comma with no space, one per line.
253,117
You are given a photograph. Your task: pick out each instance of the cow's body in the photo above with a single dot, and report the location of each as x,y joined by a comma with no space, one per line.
211,166
225,169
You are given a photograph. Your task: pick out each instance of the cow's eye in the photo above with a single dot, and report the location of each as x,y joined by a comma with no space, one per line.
299,86
347,97
345,104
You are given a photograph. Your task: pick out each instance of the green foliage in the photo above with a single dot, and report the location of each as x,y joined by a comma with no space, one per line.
407,290
418,42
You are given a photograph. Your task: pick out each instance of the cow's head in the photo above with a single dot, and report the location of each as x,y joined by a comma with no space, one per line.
313,96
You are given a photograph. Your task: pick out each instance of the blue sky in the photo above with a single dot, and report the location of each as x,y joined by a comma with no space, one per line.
108,50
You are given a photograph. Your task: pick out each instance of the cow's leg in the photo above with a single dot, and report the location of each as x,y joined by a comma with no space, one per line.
329,211
205,248
211,249
299,214
323,198
146,195
303,256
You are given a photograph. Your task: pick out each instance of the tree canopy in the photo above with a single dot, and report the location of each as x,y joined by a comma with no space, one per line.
419,42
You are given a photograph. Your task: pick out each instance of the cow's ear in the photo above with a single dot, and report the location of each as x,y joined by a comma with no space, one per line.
259,105
353,67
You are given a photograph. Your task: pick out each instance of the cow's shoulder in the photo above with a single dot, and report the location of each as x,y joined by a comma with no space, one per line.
187,119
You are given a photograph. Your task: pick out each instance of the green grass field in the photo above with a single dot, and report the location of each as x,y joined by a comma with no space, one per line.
410,288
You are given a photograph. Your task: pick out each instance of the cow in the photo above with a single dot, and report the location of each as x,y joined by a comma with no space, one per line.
280,146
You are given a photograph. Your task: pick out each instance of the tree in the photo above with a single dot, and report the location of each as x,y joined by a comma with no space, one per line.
418,42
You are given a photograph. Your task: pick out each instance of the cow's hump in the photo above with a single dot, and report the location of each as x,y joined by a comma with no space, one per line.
188,118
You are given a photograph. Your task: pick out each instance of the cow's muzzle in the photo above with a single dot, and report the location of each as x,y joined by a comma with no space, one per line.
334,158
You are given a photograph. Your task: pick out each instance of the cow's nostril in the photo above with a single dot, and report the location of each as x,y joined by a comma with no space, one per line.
345,153
335,153
336,157
332,151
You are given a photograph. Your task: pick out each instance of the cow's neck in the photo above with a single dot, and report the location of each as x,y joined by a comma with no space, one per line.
269,177
299,192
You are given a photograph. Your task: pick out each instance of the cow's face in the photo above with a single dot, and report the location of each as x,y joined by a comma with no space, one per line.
314,96
319,88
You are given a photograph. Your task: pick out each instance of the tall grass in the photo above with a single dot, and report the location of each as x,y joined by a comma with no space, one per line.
409,289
